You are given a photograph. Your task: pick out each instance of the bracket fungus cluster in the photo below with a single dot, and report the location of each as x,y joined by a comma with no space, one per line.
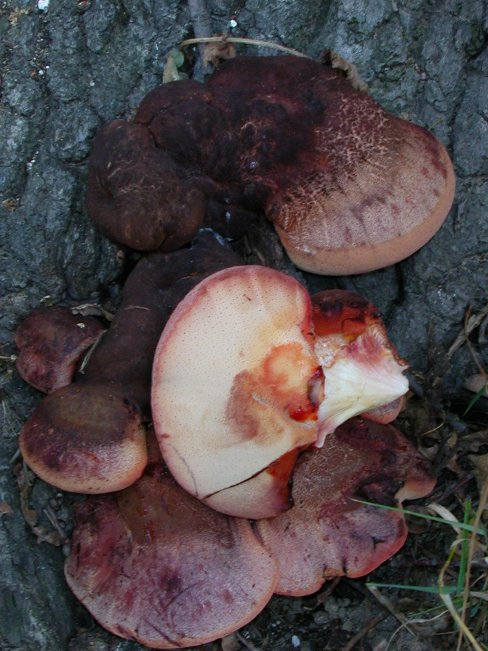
348,186
271,409
253,489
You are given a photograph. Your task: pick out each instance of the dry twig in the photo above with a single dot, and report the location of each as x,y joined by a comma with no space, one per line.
243,41
471,322
364,631
388,604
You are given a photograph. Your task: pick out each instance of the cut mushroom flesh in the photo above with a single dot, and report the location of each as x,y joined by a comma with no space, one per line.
242,383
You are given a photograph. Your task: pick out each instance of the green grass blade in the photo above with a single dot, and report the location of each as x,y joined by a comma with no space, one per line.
464,557
419,588
460,525
475,399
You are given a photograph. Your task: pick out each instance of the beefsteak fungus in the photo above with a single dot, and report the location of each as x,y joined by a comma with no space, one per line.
154,564
254,383
248,372
89,436
51,342
348,186
328,532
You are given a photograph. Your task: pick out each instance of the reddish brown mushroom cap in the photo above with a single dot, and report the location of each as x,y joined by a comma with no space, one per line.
51,341
86,438
388,189
155,565
351,188
326,533
348,186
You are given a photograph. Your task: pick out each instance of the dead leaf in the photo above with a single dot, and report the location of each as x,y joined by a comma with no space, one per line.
24,482
92,309
480,469
351,72
214,53
5,508
172,67
472,321
11,204
477,384
16,14
230,643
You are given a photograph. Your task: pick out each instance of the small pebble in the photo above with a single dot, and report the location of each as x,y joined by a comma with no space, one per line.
320,617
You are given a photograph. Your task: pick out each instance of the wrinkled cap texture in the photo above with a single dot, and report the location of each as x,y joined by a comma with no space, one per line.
348,186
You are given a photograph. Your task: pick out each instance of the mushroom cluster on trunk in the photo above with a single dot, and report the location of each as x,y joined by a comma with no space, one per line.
348,186
253,489
271,409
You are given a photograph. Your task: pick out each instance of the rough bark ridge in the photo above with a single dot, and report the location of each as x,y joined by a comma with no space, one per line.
68,67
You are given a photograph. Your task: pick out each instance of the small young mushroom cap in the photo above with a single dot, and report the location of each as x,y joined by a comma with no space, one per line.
248,372
358,360
155,565
51,341
89,437
327,533
348,186
86,438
